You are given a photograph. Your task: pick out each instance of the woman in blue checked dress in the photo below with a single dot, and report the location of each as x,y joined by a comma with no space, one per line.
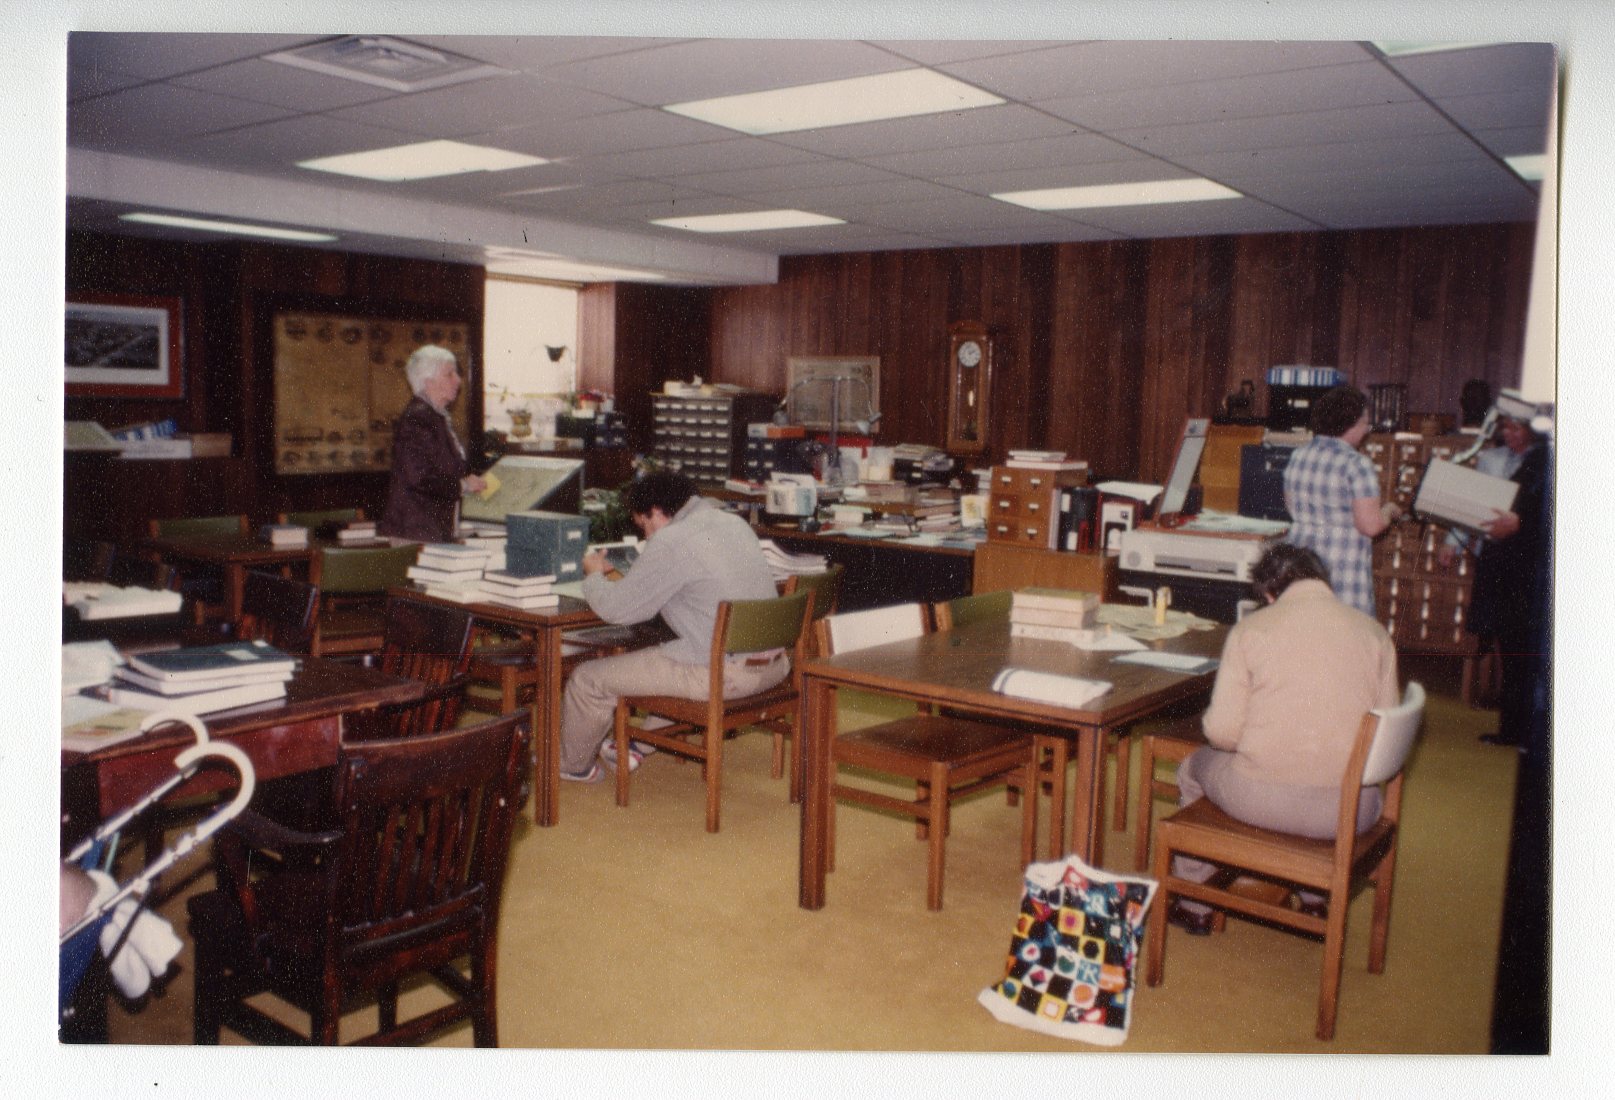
1332,492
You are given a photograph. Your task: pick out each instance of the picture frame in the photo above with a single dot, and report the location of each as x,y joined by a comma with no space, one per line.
123,345
809,385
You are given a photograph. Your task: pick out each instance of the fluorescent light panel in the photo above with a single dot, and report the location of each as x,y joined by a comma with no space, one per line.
838,102
240,229
1146,193
749,221
421,160
1528,166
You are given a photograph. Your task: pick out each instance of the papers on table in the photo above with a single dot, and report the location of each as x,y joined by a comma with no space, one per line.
1228,523
569,588
85,664
89,724
1048,687
1186,663
98,600
1134,490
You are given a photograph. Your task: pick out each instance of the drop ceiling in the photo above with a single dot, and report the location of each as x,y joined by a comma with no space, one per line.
1313,135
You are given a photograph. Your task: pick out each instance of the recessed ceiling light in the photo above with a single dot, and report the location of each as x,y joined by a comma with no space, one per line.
421,160
1406,49
1146,193
745,222
1528,166
838,102
239,229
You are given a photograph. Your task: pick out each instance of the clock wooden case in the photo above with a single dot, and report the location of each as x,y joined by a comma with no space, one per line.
971,355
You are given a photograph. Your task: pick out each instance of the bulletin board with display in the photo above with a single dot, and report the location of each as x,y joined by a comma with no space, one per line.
340,384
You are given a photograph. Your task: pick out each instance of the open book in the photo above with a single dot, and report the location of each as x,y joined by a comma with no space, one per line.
1048,687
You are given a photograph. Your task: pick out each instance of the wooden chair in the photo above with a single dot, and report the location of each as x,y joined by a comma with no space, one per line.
408,884
1171,739
204,588
699,726
826,589
278,610
1384,740
426,642
946,756
505,660
970,609
352,580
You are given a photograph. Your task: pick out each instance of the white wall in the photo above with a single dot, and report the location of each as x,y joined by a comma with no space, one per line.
520,319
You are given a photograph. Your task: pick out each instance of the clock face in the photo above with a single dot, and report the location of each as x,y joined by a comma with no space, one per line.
969,353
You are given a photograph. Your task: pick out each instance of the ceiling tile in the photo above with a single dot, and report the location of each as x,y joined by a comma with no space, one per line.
280,145
1495,111
1301,160
1195,219
1137,170
1285,131
1315,89
1042,151
619,132
481,106
980,126
154,56
535,53
85,81
817,173
153,116
1526,66
282,85
1093,68
736,157
942,51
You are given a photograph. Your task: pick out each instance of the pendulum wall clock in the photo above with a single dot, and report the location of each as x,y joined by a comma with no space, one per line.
970,374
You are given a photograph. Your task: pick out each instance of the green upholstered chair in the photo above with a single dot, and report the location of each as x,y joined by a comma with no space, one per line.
699,726
321,518
826,589
352,583
181,526
965,610
204,587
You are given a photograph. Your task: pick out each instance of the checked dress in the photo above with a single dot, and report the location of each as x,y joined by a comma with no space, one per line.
1322,480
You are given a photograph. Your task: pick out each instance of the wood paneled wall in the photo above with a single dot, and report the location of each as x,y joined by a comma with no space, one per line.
1106,347
229,292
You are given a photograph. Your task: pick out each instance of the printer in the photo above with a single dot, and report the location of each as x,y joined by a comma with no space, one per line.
1214,557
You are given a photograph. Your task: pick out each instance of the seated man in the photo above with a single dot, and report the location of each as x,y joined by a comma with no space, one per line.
1295,680
695,557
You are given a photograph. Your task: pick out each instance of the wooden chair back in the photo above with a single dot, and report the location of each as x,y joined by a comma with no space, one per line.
876,626
278,610
425,642
132,570
180,526
825,586
965,610
408,882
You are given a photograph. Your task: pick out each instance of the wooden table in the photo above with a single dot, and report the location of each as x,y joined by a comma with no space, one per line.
545,628
956,669
299,733
235,554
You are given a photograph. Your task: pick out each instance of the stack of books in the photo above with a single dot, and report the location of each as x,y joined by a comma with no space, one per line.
201,679
513,590
284,536
359,530
782,563
1043,460
100,600
1053,614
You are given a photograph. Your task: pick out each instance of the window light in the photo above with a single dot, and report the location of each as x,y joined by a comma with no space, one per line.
422,160
1147,193
237,228
749,221
838,102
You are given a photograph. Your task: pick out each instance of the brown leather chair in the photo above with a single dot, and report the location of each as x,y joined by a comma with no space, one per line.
699,726
1384,740
408,884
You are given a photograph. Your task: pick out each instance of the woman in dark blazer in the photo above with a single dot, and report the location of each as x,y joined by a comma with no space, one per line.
430,471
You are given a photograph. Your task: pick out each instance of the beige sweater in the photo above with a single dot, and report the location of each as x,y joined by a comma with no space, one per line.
1295,680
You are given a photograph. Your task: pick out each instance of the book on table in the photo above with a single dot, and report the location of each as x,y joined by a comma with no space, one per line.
523,603
125,694
1070,600
180,687
1054,688
442,576
284,534
212,661
500,580
100,600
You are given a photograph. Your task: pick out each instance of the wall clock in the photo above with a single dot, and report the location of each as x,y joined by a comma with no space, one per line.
970,375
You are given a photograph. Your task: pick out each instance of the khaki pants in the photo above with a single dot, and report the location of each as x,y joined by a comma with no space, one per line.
594,687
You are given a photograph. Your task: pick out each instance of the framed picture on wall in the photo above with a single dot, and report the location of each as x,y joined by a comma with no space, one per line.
123,345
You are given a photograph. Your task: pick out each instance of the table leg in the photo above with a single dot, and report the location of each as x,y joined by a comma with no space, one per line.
1059,756
818,703
236,577
547,726
1086,818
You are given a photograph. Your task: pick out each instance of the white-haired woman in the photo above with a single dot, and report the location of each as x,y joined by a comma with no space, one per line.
430,471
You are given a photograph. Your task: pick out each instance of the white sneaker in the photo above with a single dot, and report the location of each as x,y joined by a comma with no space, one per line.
608,753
